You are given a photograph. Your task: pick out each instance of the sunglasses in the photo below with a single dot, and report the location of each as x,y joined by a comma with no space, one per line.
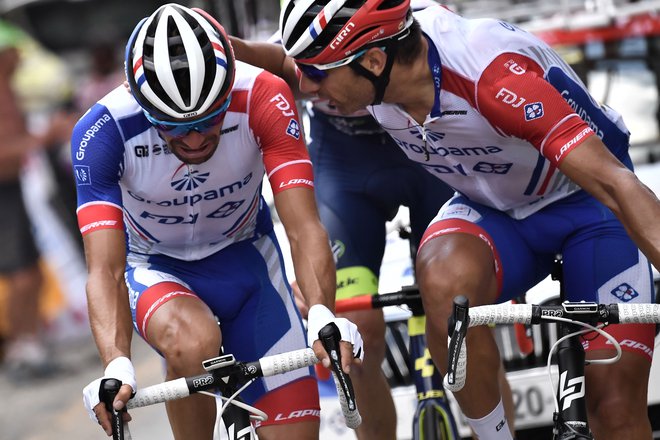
179,130
318,72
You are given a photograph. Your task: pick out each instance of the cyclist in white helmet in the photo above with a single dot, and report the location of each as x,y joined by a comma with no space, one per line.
177,235
539,167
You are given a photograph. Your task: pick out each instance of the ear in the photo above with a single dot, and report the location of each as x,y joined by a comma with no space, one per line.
374,60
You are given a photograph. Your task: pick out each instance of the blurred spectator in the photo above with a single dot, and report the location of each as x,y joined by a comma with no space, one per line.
25,355
105,74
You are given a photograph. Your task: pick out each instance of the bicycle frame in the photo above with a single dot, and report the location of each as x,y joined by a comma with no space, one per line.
433,419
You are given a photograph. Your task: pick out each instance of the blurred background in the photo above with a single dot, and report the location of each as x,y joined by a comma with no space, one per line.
71,54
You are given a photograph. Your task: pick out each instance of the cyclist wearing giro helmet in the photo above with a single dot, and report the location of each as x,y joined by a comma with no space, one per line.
540,168
361,179
177,235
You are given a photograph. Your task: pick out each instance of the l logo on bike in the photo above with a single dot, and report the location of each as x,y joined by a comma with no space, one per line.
243,434
567,390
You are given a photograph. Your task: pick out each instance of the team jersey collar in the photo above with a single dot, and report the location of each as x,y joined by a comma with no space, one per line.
435,65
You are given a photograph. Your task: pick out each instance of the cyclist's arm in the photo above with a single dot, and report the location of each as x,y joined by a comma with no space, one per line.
310,249
107,296
598,172
275,123
312,258
270,57
570,144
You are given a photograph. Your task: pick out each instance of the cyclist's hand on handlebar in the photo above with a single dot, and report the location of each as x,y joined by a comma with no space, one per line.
352,349
121,369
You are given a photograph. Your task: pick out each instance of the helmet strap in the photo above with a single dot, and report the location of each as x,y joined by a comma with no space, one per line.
380,82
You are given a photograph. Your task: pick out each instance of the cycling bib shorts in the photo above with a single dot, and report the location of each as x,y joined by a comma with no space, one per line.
601,262
245,287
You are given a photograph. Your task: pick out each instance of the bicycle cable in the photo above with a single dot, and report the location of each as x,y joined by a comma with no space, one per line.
255,413
588,328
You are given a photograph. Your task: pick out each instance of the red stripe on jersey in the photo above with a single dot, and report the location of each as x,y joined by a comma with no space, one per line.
460,226
568,135
154,297
297,401
275,123
455,83
546,181
95,216
239,100
510,84
136,229
248,216
292,175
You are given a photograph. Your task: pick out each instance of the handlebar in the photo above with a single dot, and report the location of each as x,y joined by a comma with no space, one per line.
329,336
408,295
464,317
185,386
107,393
225,366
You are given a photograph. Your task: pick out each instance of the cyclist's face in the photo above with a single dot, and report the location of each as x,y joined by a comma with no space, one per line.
194,147
343,88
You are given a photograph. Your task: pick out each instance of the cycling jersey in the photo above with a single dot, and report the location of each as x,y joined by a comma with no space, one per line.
204,230
498,130
124,169
361,180
503,119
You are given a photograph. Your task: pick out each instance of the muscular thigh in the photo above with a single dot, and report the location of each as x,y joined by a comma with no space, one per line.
517,265
245,288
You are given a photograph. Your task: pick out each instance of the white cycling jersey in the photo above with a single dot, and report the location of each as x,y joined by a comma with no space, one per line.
507,110
127,177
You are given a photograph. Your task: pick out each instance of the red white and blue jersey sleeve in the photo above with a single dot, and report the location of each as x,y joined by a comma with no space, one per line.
514,96
507,111
276,126
97,151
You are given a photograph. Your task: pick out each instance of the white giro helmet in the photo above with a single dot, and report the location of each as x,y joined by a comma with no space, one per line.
179,63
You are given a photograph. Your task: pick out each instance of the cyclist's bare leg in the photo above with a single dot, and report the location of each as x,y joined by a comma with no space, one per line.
371,388
186,333
461,264
507,399
308,430
617,397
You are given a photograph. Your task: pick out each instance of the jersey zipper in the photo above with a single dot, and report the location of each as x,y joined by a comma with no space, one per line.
427,155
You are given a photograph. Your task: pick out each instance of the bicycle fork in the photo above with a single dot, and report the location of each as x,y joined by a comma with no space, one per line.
433,418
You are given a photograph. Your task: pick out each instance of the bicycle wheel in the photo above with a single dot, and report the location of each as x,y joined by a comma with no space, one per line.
434,421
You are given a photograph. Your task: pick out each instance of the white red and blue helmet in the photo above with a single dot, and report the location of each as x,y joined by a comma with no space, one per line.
326,31
179,63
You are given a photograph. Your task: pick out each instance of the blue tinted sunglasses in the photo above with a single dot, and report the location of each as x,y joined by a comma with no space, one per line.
318,72
178,130
311,72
